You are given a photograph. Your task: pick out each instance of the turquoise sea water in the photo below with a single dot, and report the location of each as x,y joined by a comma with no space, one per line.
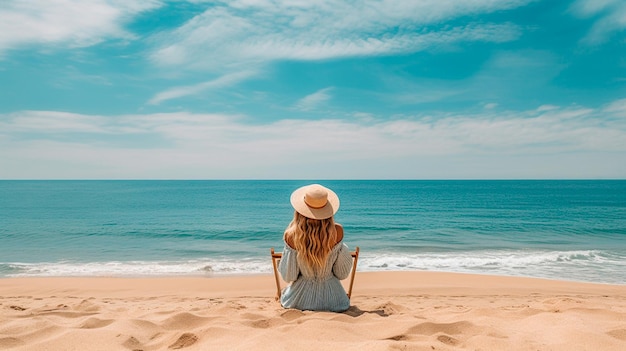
573,230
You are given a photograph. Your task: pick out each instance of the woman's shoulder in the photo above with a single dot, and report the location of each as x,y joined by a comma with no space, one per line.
289,241
339,229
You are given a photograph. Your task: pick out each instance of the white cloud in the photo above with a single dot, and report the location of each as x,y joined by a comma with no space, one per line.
591,7
559,142
311,101
196,89
53,122
69,23
490,106
618,106
611,18
243,32
543,108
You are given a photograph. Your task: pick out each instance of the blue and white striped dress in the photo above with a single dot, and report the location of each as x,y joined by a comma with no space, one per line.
317,293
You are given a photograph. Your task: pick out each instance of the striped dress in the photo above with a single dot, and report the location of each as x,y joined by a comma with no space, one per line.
316,293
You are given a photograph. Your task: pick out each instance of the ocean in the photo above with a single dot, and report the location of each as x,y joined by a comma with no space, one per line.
559,229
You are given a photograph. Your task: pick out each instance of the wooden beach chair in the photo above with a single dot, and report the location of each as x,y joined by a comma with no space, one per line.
276,256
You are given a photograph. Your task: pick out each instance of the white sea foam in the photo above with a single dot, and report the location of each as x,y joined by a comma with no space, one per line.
584,265
139,268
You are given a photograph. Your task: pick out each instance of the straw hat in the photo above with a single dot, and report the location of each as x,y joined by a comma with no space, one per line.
315,201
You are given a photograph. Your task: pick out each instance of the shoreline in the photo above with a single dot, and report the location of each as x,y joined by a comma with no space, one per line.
265,274
389,310
416,272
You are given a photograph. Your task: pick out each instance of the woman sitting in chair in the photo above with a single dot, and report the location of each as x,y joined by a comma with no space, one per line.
315,258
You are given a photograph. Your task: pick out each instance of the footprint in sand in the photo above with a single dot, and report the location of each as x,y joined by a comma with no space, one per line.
10,342
399,337
448,340
260,324
292,315
256,320
618,334
183,320
455,328
132,343
185,340
237,306
86,306
93,323
563,301
390,308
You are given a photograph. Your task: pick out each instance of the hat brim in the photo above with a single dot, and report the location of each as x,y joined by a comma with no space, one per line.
329,210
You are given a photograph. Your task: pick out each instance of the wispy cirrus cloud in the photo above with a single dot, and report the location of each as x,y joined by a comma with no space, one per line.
66,23
232,33
544,141
611,18
226,80
553,127
617,107
313,100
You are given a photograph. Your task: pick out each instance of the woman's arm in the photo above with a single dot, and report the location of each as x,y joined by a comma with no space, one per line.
343,263
288,265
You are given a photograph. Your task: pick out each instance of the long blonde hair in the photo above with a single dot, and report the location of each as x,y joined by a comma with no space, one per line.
313,239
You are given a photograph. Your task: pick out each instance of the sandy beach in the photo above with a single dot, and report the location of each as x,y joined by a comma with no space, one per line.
389,311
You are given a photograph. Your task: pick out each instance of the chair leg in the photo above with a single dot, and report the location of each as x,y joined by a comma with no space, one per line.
274,257
355,254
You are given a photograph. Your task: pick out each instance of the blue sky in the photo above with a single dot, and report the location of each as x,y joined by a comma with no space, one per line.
282,89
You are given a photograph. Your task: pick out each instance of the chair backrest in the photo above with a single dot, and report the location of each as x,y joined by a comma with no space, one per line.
276,256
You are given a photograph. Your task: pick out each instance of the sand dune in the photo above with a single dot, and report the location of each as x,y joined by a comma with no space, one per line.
390,311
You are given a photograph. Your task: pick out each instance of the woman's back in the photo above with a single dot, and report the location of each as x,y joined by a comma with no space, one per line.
315,258
316,290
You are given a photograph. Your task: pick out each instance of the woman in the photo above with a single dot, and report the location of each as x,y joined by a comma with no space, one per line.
315,258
